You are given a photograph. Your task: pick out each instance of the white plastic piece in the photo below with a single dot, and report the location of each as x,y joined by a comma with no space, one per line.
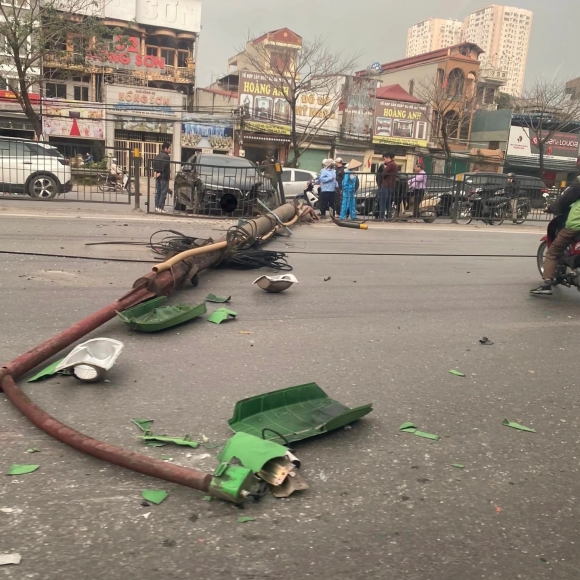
276,283
10,559
91,360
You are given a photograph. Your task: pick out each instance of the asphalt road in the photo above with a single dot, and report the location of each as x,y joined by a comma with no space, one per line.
384,329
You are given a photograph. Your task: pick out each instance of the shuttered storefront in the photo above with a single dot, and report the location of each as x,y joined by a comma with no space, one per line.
311,159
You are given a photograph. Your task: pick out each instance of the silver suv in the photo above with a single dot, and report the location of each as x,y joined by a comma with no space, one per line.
32,168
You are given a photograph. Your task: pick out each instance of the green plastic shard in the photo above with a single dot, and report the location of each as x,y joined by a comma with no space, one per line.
293,414
22,469
156,444
221,314
408,427
184,441
457,373
457,465
517,426
155,496
150,317
232,483
33,450
143,424
243,520
49,371
218,299
427,435
251,451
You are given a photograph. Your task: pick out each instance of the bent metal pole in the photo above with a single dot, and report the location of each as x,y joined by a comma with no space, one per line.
149,286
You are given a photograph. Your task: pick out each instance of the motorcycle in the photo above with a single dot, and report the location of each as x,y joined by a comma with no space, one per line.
568,271
491,210
105,184
308,195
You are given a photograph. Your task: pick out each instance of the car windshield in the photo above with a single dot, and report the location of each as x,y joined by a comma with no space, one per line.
224,165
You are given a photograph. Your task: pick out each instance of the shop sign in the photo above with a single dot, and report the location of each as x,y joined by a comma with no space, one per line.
126,55
265,107
63,118
122,100
561,146
360,94
207,132
399,123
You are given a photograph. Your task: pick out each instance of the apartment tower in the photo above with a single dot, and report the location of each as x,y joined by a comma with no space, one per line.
432,34
503,32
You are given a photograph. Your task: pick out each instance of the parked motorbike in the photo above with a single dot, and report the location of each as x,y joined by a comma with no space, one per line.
107,185
568,271
491,210
309,196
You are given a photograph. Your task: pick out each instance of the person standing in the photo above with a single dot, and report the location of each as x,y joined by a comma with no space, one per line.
417,186
350,185
513,192
161,165
340,169
328,186
388,185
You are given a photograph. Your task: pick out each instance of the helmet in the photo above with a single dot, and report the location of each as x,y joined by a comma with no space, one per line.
114,159
511,174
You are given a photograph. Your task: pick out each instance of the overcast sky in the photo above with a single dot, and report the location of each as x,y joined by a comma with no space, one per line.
377,28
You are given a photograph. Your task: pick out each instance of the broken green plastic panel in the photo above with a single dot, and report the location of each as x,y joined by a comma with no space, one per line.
217,299
408,427
155,496
456,373
293,414
251,451
17,469
232,483
48,372
517,426
221,314
143,424
426,435
184,441
149,317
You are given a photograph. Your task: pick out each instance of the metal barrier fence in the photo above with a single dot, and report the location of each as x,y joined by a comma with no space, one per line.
39,171
231,188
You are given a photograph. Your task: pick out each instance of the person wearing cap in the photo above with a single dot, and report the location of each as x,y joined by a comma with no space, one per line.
350,185
327,180
512,190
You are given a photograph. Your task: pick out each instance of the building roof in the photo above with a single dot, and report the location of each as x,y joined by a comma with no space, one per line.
282,35
396,93
231,94
434,55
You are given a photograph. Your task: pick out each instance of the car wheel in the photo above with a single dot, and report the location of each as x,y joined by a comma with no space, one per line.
43,187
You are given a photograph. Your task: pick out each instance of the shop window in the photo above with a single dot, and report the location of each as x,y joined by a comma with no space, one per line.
56,91
168,54
411,87
182,57
81,93
152,50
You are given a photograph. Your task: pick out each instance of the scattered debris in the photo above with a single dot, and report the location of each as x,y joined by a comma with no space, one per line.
517,426
412,428
152,317
143,424
7,510
431,436
183,441
456,373
90,361
10,559
245,519
408,427
218,299
16,469
244,332
221,314
327,278
275,284
146,516
32,450
458,465
49,371
155,496
485,341
293,414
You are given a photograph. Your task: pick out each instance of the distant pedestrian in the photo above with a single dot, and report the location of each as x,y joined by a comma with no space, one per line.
513,192
88,159
161,166
388,185
417,186
350,185
327,180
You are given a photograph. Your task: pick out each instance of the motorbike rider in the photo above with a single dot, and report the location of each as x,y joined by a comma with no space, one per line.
114,171
567,208
512,191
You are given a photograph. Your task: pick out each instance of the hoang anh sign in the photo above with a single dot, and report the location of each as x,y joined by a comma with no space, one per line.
399,123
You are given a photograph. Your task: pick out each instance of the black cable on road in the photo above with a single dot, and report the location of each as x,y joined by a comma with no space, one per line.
420,255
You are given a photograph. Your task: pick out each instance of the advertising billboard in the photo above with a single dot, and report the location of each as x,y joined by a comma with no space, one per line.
560,147
176,14
266,110
142,104
360,94
399,123
207,132
73,119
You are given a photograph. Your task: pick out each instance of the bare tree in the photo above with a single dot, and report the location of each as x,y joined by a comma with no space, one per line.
36,32
453,102
312,68
546,108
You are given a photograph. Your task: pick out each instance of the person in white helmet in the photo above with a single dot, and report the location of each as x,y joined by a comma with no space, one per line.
114,171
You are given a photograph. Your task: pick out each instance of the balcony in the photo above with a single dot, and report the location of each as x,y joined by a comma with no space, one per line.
493,76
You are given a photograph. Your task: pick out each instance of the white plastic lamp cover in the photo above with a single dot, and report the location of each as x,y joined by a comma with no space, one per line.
91,360
276,283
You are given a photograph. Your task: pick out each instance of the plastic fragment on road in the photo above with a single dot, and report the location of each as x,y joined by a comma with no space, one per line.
456,373
233,483
327,278
155,496
431,436
457,465
32,450
90,361
245,519
517,426
150,317
143,424
221,314
408,427
217,299
156,444
17,469
485,341
49,371
293,414
6,559
275,284
183,441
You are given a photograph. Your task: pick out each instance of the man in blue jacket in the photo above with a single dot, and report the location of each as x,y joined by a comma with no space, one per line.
328,185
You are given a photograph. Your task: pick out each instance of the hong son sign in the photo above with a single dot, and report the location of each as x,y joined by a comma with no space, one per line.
127,57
